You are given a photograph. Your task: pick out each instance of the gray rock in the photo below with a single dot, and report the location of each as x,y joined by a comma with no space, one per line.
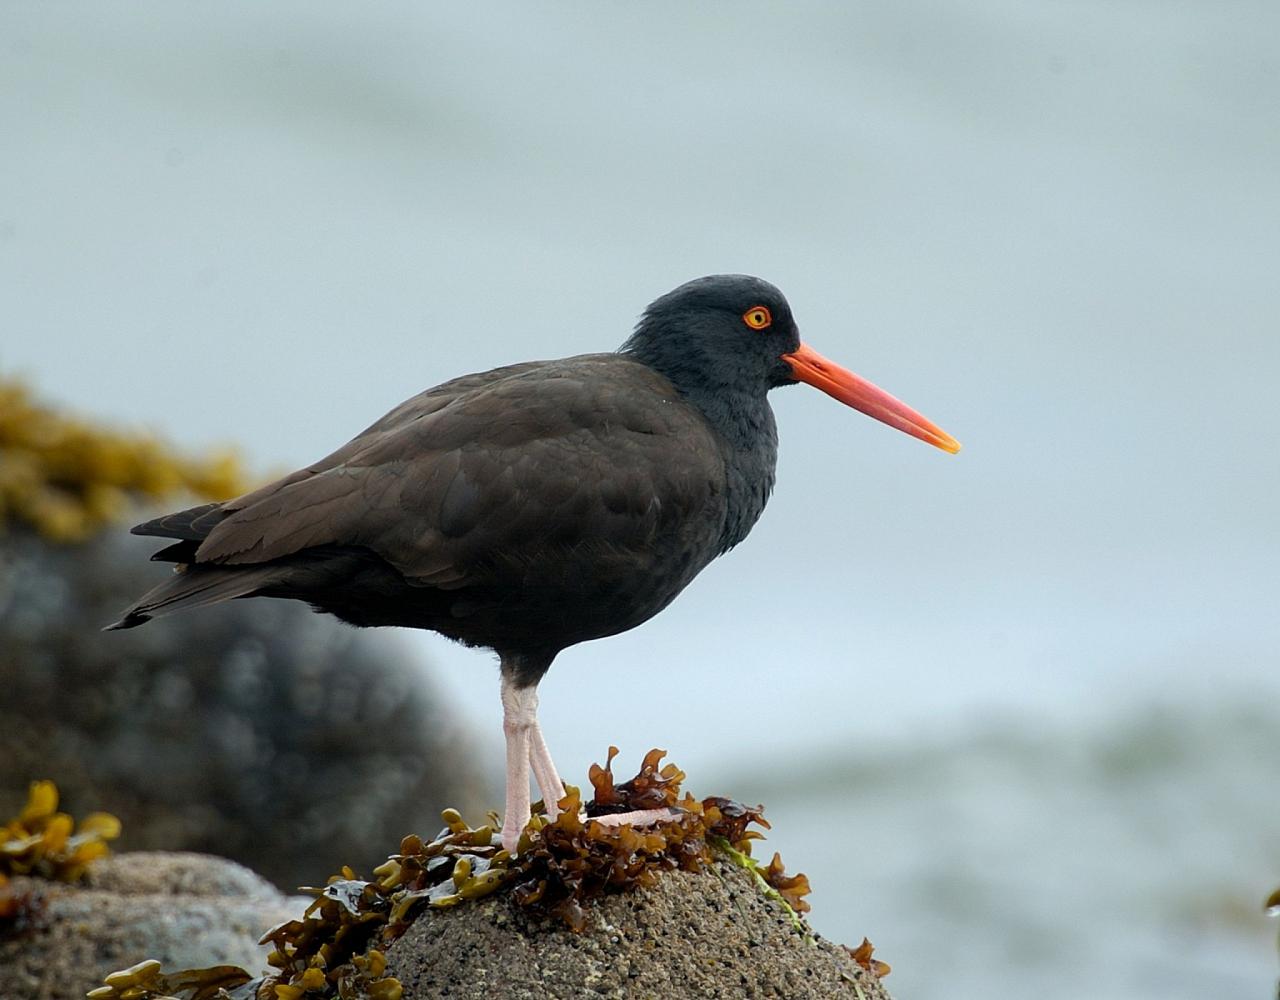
186,910
255,729
712,935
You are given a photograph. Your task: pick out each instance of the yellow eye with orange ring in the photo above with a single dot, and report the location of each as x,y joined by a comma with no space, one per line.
758,317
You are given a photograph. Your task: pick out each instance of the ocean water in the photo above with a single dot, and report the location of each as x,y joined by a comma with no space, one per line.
1125,859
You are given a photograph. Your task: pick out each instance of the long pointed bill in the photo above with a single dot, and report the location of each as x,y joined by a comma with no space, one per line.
807,365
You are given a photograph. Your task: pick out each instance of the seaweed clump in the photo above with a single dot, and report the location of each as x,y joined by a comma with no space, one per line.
45,843
67,479
863,956
336,948
573,859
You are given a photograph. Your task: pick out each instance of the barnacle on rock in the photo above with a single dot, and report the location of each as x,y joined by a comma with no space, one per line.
67,478
43,842
335,949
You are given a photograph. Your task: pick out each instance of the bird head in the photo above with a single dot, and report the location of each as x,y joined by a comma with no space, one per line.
735,333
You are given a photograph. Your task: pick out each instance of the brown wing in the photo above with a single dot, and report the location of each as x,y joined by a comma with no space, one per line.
592,455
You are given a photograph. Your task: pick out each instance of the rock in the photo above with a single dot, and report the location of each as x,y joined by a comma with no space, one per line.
710,935
255,729
186,910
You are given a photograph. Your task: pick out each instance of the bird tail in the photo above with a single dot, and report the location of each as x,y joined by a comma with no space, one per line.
192,585
197,587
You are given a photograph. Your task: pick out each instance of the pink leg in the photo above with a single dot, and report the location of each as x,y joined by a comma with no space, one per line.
527,749
544,770
517,713
639,817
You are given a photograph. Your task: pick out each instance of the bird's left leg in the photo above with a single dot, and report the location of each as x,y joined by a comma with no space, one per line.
638,817
544,771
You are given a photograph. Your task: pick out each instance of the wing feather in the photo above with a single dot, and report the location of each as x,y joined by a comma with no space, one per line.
584,456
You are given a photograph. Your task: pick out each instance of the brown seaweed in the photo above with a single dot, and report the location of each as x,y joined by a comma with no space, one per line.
336,948
862,955
45,843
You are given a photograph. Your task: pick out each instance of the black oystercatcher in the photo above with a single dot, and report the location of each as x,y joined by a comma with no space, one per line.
532,507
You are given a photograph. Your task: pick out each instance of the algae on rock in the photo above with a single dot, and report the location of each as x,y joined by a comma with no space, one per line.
573,879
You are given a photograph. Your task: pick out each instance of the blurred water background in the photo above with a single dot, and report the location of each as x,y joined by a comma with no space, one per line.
1014,712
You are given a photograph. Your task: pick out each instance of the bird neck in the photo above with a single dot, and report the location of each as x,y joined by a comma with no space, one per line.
742,419
746,425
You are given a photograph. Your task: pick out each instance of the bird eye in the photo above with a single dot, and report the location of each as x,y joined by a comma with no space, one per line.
758,317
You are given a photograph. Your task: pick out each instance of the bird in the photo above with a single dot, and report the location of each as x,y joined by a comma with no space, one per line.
535,506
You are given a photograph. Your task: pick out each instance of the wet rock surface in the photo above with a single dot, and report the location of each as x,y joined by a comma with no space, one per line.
257,729
186,910
712,934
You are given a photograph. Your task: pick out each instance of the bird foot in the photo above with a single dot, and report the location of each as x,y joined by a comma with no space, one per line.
638,817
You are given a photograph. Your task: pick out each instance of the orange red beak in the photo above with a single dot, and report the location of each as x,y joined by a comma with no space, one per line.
808,366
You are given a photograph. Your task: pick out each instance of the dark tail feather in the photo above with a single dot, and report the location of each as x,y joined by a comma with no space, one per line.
193,524
178,552
197,587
